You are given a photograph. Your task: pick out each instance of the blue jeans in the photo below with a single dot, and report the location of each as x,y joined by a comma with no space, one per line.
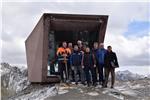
100,72
78,70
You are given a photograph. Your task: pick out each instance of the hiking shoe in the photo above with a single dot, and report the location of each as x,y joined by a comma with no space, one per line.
83,83
94,84
88,84
104,86
100,83
112,87
76,83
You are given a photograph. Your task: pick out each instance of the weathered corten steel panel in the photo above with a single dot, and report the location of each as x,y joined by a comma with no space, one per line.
37,42
34,48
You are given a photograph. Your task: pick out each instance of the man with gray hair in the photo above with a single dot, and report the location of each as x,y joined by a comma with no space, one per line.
101,54
80,45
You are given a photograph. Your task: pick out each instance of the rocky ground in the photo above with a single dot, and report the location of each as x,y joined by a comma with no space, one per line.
130,90
13,80
15,86
122,91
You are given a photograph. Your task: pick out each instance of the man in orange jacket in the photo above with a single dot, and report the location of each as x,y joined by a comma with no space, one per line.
63,54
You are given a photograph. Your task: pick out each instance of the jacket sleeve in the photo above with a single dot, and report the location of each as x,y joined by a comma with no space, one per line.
82,61
97,53
105,60
70,60
57,53
94,59
116,60
81,55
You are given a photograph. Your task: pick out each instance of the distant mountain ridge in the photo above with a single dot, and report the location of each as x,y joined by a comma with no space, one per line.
128,76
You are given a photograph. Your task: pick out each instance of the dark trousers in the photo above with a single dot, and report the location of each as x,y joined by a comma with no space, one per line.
87,71
72,75
69,70
77,70
62,70
112,71
94,75
100,72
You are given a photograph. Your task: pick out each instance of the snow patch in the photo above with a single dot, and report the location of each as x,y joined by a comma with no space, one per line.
93,93
137,86
81,91
62,90
39,94
129,92
114,93
121,88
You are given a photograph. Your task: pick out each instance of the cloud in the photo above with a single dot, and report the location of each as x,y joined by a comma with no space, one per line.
130,51
19,20
60,1
14,51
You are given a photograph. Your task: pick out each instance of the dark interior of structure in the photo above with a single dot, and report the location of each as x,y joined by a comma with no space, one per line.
69,32
56,39
70,36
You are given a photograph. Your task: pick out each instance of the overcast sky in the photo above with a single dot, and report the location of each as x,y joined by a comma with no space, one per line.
128,29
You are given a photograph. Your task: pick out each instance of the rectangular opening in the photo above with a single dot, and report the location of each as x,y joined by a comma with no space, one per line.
57,37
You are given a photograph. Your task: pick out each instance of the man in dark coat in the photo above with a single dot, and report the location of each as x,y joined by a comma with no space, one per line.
111,62
89,63
95,52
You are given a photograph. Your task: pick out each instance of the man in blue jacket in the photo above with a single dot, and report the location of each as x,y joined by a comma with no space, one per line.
100,54
75,61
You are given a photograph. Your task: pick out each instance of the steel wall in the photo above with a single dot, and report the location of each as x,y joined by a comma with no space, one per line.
34,54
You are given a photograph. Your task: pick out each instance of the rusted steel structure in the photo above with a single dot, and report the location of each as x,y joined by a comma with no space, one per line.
37,44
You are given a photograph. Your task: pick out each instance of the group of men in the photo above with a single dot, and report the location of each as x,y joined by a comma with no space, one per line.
90,66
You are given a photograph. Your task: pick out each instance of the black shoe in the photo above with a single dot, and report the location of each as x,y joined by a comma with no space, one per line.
83,83
76,83
112,87
88,84
94,84
100,83
73,80
104,86
79,80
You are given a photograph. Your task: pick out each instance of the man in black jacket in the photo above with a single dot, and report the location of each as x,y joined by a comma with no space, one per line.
95,52
111,62
89,63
